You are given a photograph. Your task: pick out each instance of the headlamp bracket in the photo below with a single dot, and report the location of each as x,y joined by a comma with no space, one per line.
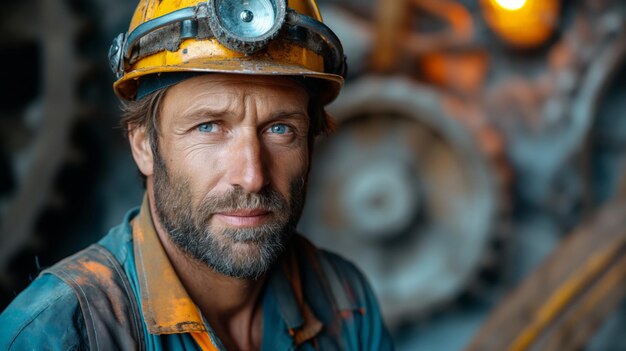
116,55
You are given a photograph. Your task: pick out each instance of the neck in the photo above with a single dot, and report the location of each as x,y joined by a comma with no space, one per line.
230,305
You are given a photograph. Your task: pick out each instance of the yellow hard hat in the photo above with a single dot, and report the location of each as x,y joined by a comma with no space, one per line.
258,37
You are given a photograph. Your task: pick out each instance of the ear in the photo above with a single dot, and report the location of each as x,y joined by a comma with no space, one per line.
141,149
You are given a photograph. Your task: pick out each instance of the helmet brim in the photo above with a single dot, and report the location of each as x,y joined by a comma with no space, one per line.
327,85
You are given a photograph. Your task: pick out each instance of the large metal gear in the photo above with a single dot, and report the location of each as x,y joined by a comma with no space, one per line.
405,190
51,122
56,109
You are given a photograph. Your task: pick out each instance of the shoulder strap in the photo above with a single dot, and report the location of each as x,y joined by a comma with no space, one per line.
105,297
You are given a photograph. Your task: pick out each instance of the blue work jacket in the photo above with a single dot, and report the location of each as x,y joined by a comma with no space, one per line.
47,314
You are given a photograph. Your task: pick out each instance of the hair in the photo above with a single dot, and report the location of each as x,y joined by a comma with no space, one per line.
145,112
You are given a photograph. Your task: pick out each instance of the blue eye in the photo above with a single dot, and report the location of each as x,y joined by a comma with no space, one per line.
279,129
206,127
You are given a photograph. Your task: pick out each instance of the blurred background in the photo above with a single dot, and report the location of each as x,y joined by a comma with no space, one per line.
476,177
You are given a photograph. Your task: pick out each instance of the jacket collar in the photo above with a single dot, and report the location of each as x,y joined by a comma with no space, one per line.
166,305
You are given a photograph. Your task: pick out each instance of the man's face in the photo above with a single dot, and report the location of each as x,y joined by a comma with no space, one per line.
230,168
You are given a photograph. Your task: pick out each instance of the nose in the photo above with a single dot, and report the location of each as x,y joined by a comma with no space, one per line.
247,167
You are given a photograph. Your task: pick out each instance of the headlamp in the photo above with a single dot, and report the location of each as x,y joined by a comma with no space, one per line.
245,26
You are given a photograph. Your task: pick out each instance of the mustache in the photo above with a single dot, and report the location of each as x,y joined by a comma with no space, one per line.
235,199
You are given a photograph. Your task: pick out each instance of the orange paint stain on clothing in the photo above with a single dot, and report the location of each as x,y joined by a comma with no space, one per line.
98,270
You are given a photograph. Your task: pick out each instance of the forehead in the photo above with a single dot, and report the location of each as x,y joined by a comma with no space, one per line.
222,88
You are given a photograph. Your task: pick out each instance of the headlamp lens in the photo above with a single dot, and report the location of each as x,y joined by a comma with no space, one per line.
247,18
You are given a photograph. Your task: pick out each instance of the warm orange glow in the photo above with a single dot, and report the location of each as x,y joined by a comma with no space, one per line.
460,71
522,23
511,5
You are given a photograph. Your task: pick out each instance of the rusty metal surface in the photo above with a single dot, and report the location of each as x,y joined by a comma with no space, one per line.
547,106
395,40
392,16
552,115
564,301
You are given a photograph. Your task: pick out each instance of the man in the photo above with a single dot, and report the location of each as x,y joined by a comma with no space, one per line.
224,101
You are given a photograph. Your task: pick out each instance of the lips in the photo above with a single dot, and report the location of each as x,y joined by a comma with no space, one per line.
243,217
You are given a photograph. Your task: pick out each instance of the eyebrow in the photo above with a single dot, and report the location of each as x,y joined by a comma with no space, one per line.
298,114
203,113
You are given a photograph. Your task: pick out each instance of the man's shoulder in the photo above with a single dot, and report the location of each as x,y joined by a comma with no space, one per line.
47,312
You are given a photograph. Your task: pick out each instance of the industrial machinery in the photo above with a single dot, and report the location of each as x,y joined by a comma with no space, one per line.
475,137
473,158
415,185
407,191
40,125
561,305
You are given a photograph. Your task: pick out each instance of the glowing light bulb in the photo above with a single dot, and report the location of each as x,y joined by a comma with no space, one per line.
511,5
522,23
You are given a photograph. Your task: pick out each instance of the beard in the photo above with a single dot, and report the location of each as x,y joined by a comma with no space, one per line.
245,253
